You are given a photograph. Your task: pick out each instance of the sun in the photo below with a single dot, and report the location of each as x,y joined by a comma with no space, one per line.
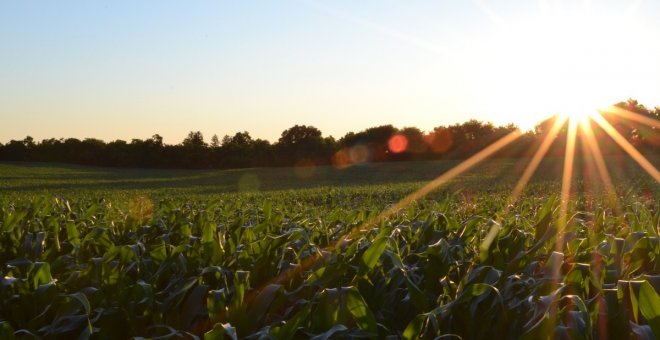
585,118
580,111
559,61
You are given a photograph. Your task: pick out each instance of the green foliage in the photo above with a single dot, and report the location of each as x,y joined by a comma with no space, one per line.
310,263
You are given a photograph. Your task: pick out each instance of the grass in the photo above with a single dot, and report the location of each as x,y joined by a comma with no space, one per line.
35,177
47,178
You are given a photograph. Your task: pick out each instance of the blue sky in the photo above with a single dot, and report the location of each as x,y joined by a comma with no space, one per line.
129,69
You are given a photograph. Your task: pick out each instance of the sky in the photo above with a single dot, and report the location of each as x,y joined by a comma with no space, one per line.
131,69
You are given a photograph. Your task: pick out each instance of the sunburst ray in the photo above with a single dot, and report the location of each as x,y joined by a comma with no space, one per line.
587,135
562,222
537,158
627,147
632,116
566,180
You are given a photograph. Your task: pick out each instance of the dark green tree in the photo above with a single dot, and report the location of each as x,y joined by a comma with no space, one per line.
194,140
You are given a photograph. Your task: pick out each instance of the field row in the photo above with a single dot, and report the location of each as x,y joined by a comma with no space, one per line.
313,263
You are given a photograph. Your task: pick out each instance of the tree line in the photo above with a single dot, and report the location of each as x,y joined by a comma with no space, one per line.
303,145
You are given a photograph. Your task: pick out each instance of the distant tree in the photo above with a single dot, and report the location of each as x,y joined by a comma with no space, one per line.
262,153
157,140
440,141
634,106
474,129
640,135
380,134
470,137
194,139
299,134
374,138
415,140
545,125
330,143
236,151
91,151
302,142
215,142
29,142
15,151
239,139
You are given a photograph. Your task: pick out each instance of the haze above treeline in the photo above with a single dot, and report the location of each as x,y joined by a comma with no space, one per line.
303,145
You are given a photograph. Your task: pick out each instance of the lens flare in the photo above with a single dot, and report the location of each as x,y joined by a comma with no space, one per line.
397,144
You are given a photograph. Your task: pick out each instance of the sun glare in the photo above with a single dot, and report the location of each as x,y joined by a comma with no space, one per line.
564,60
580,115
